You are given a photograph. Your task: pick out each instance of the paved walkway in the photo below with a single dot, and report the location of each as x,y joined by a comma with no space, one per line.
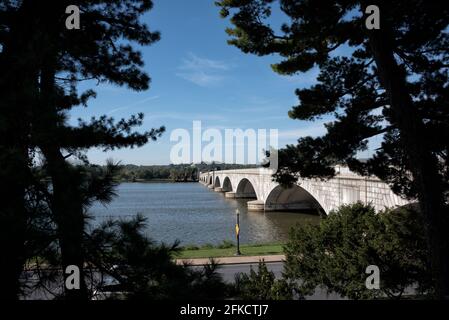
234,260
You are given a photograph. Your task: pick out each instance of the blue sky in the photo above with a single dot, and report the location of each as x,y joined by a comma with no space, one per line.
196,75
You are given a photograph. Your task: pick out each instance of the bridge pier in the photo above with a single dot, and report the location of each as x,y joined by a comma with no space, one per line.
289,206
210,186
242,195
218,189
256,205
239,195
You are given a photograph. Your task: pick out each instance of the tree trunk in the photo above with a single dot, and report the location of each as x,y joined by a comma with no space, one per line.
68,211
422,163
67,202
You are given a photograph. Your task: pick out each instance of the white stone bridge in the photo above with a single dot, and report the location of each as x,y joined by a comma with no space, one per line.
322,195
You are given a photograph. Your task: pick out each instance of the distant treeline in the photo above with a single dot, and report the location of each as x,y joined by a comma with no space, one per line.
177,173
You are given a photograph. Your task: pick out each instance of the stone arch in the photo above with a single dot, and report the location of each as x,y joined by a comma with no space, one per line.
291,199
246,189
227,185
217,183
210,179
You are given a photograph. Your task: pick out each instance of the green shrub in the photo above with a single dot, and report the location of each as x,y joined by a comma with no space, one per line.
207,246
191,247
262,285
336,253
226,244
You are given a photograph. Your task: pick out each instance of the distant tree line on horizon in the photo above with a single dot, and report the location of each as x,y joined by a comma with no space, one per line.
171,172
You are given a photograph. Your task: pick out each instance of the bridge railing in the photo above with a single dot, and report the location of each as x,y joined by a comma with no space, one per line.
343,172
243,171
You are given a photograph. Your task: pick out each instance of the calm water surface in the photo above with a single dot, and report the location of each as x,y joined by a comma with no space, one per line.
194,214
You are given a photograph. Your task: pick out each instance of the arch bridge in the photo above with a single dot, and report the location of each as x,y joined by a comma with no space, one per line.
307,194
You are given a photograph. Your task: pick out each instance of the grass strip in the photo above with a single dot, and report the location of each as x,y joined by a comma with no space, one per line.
246,250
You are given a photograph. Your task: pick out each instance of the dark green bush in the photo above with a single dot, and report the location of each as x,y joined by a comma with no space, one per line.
336,253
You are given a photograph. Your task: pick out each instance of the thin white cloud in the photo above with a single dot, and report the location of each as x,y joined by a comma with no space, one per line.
201,78
193,62
265,119
186,116
251,109
259,100
202,71
109,88
132,104
315,130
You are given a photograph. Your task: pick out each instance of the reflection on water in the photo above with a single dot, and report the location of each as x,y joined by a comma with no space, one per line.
196,215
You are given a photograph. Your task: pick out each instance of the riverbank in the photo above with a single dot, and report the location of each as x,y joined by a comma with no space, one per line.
225,250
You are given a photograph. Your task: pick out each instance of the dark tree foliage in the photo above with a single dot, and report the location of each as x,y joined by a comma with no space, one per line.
173,172
93,52
44,259
335,253
17,95
334,256
122,262
391,83
262,285
143,269
42,63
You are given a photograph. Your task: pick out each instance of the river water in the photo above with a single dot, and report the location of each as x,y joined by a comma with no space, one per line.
194,214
